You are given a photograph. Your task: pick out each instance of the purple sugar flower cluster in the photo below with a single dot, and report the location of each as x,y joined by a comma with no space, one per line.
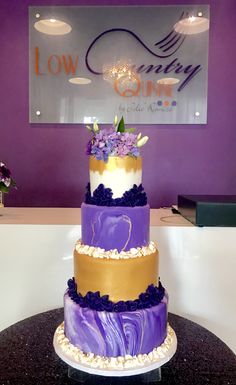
102,196
153,296
108,142
6,181
114,141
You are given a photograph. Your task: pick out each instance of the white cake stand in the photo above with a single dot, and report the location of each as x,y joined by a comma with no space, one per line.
166,355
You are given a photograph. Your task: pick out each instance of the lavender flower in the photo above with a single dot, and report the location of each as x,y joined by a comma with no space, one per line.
89,148
114,141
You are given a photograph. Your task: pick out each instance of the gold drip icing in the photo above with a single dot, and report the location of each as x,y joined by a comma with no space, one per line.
129,163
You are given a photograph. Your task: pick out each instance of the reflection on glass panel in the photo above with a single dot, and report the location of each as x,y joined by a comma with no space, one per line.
147,63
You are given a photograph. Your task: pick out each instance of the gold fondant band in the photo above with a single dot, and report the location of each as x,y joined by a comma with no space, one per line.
129,163
122,279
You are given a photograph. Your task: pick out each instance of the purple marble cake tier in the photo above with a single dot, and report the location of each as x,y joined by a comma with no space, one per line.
118,228
112,334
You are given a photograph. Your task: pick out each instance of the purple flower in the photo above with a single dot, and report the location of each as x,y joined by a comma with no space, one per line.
102,196
89,147
4,172
153,296
6,181
110,142
135,151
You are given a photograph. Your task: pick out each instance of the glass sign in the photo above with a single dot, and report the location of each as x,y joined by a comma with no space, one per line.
147,63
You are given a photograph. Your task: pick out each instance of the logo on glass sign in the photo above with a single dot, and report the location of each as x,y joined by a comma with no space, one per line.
152,79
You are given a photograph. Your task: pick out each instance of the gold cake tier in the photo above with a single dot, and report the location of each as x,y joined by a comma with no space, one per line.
121,279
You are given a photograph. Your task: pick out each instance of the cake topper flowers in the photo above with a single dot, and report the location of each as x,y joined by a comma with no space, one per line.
116,140
6,181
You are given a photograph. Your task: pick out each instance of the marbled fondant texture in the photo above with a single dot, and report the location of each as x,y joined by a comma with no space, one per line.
113,334
118,228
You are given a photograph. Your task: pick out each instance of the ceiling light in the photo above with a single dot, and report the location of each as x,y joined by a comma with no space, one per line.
192,25
90,119
192,19
168,81
52,27
121,70
80,81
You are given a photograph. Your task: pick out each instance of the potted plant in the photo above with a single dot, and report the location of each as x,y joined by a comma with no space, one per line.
6,182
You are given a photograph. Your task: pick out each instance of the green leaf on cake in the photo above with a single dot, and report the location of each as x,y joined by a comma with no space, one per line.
121,125
131,129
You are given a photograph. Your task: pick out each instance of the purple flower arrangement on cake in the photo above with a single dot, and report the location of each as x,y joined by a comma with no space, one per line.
116,140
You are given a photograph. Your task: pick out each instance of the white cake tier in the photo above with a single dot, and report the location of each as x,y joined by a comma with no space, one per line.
119,174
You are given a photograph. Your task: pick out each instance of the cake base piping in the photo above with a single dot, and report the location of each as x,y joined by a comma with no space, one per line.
114,366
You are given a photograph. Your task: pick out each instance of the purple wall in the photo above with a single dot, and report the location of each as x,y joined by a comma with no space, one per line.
48,161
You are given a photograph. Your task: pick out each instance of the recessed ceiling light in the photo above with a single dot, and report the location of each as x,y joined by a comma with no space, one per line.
52,27
90,119
80,81
168,81
192,25
191,19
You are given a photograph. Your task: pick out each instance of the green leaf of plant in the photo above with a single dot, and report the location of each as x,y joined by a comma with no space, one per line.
13,183
3,188
131,129
121,125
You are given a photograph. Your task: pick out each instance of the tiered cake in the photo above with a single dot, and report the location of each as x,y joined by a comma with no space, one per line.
115,306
